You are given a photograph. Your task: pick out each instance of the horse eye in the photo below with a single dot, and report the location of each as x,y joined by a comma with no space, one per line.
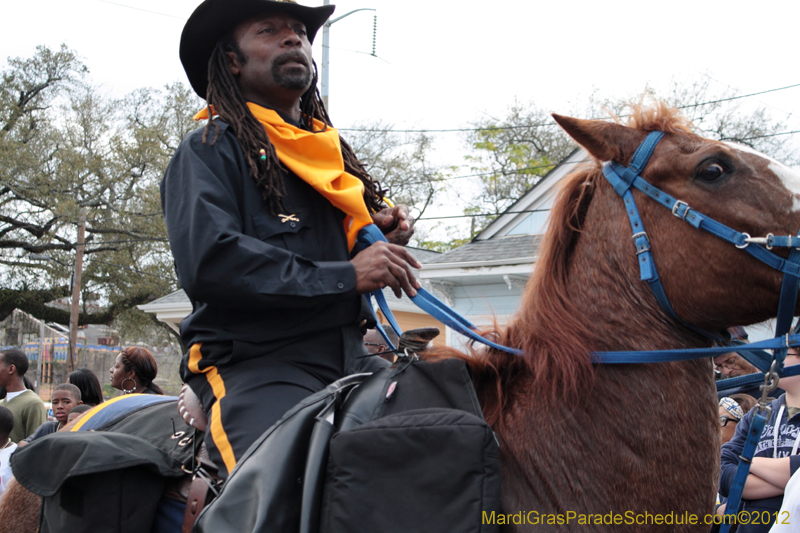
711,172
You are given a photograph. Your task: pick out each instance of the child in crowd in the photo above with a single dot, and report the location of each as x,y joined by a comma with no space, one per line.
77,411
65,397
731,411
775,459
7,446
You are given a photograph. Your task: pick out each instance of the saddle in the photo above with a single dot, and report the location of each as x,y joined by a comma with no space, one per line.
403,449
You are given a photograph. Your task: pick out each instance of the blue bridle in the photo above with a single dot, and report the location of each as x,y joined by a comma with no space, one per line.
624,179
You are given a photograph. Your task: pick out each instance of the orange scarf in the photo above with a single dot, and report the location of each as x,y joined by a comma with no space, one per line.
316,158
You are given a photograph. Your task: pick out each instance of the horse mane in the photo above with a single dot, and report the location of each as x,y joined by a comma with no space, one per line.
657,117
548,327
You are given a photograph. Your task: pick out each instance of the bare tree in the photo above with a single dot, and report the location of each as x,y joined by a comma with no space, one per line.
719,114
400,162
68,150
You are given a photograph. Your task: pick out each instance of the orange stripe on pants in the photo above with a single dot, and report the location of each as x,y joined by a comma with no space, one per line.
214,378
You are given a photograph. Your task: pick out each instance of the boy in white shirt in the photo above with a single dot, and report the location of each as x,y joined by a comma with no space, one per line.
7,447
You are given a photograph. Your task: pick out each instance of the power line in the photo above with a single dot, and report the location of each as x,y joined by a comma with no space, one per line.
771,135
787,113
545,166
140,9
741,96
444,130
517,171
551,124
490,173
488,214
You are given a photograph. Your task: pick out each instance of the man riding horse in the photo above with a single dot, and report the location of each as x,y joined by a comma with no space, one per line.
262,207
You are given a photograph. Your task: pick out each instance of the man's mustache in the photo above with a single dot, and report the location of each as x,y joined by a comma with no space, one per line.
291,57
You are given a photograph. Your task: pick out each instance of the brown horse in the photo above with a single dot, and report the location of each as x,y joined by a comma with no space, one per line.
632,440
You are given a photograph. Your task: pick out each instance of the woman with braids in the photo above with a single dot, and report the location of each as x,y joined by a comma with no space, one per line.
263,206
134,371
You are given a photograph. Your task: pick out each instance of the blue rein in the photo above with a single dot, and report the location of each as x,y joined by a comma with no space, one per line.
424,300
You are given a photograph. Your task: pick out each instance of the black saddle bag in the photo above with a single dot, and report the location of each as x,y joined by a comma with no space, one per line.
426,470
403,450
425,462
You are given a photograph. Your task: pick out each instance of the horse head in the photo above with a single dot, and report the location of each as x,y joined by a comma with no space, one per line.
574,434
710,282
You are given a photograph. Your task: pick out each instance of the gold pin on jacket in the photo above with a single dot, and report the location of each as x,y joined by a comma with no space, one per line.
287,218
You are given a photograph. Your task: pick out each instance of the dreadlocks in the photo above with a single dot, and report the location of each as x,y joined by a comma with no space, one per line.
224,95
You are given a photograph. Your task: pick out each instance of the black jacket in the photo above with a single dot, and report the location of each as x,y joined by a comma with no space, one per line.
253,276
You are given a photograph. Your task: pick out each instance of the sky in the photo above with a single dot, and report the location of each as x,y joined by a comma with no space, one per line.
445,65
442,64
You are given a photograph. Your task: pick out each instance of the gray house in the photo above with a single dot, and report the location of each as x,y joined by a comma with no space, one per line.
484,279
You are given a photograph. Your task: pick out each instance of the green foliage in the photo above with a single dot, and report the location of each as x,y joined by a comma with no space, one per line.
110,392
424,241
443,246
512,155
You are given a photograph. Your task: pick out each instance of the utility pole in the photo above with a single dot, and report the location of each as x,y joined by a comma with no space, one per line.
326,42
76,294
40,362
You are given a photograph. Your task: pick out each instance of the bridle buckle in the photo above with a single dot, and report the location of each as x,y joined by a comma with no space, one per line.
646,245
677,206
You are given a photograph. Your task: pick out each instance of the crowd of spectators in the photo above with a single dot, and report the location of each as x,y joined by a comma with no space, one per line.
775,460
24,417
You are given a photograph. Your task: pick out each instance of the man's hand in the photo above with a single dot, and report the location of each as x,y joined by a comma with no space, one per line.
386,265
396,224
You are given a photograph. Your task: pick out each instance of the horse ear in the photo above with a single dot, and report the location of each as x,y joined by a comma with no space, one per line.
604,140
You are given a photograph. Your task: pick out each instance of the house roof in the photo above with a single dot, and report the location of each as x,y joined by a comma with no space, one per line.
177,297
422,255
500,248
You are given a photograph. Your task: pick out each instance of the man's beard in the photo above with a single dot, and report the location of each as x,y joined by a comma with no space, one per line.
293,79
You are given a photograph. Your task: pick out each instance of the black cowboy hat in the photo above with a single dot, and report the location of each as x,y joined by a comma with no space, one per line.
214,18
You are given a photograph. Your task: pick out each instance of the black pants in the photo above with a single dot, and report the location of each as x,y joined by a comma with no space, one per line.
245,390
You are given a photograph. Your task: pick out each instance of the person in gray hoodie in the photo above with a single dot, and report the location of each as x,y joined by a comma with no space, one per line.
775,458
